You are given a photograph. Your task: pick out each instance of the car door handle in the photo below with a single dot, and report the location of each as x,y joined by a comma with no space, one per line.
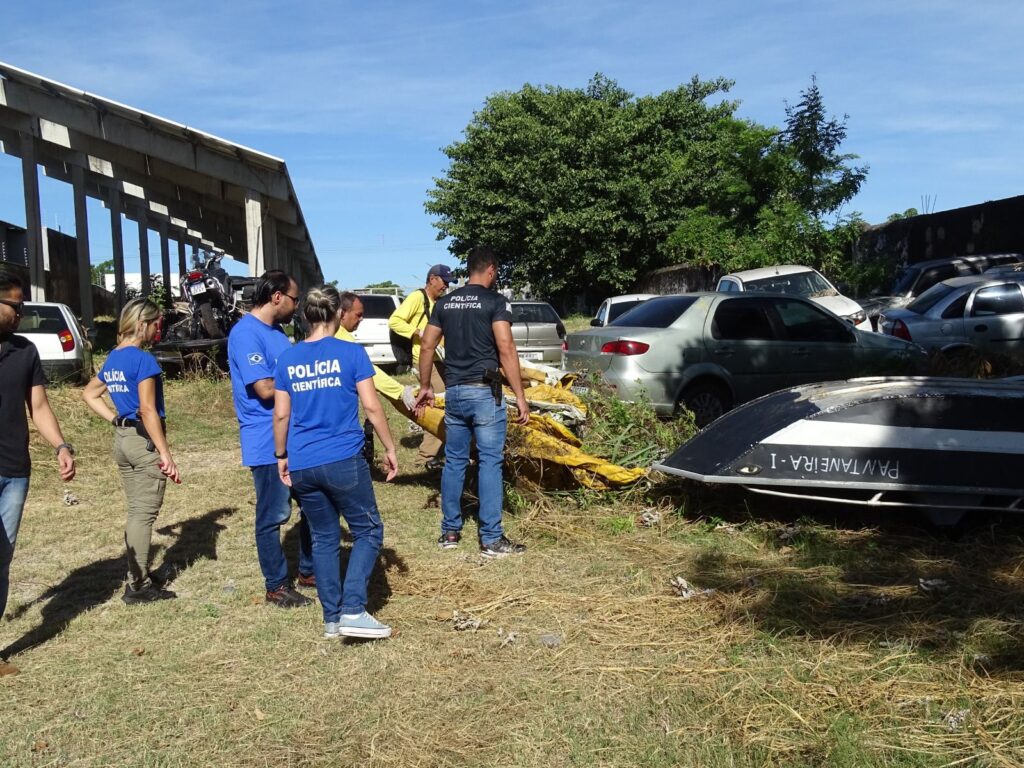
801,352
723,352
981,327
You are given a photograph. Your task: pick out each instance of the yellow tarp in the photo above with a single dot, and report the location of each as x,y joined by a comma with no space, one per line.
544,449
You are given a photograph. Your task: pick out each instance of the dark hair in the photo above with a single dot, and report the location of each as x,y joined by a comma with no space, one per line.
9,282
321,304
480,258
270,282
348,300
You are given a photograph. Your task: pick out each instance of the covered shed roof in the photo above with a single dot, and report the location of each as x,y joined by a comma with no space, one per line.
188,183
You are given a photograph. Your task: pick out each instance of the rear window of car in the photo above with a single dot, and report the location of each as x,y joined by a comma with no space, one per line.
622,307
534,313
377,307
42,319
655,313
930,298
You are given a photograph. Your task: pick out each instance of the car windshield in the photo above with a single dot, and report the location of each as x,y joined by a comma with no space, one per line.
377,307
534,313
622,307
905,282
930,298
655,313
41,319
797,284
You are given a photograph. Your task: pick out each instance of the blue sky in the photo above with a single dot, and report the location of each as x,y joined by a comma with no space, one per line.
359,98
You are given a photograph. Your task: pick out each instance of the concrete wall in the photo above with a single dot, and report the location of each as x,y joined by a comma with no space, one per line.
680,278
996,226
61,277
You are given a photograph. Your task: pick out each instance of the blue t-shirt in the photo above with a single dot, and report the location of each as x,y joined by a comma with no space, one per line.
253,350
321,377
122,372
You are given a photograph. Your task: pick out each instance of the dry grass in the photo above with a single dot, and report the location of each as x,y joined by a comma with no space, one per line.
817,647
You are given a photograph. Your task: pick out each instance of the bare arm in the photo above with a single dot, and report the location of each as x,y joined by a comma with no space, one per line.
150,417
264,389
509,358
45,421
431,336
282,415
375,413
93,396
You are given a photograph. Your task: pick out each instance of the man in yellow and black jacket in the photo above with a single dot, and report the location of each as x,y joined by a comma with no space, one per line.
408,321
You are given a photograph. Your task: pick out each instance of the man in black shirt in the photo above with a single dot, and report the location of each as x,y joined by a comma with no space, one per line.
476,324
22,383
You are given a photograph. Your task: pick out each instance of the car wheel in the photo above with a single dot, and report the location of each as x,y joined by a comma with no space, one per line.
707,401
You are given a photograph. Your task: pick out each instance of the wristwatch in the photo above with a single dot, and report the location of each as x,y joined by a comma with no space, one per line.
69,446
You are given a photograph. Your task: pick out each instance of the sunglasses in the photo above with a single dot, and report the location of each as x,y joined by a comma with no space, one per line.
17,306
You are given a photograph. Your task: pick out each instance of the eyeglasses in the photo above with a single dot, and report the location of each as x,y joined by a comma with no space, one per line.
17,306
295,299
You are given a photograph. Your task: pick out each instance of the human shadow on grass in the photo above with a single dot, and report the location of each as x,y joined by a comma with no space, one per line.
196,540
870,576
379,590
92,585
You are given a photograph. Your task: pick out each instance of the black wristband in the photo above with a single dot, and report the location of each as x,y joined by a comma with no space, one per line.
281,455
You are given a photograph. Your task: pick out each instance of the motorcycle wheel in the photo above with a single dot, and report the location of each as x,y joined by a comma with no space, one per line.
209,321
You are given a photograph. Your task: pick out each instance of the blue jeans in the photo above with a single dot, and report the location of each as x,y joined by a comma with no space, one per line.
13,491
273,508
470,412
341,487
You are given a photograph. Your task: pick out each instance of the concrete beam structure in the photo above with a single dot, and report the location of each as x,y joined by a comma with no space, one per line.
189,185
117,246
82,245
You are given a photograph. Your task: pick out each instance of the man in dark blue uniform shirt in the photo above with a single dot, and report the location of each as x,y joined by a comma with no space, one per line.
255,343
476,323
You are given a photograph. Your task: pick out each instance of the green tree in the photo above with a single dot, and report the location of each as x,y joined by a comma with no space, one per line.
97,271
579,187
822,178
385,284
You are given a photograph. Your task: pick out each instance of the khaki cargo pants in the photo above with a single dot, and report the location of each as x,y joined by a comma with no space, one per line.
144,486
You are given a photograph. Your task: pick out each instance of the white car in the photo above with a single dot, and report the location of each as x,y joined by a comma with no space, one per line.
616,305
372,332
797,281
64,348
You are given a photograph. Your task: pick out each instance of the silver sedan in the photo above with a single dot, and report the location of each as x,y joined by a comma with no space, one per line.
712,351
982,311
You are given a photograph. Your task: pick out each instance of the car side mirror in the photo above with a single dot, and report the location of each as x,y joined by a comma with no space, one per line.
843,288
595,322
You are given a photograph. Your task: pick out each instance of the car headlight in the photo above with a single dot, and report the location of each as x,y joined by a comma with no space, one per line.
856,318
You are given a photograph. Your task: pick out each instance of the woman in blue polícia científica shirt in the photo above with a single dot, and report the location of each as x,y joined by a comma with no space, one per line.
131,377
318,441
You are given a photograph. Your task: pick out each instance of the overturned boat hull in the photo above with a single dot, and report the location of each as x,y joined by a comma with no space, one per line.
924,442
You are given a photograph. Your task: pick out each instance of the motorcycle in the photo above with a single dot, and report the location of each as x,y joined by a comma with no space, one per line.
215,299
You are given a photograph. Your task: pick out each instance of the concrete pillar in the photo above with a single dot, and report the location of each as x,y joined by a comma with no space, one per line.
270,260
33,221
254,232
117,247
182,266
82,244
165,262
144,254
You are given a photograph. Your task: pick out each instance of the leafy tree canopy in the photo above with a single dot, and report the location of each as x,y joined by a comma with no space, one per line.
592,187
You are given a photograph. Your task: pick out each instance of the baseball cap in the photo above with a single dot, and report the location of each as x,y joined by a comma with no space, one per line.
443,271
